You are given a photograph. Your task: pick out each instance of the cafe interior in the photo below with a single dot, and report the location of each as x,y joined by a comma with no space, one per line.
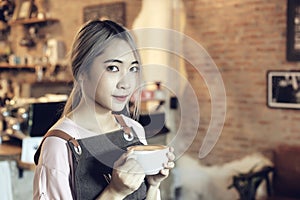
221,86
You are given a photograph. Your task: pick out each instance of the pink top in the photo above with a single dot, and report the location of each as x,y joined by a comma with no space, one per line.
52,174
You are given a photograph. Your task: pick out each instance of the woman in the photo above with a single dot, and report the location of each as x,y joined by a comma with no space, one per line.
107,71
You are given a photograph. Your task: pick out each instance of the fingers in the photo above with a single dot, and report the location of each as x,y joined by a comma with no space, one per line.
165,172
132,172
122,159
171,156
132,166
127,163
171,149
169,165
127,175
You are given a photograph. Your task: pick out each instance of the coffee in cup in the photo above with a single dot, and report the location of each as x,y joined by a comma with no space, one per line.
151,157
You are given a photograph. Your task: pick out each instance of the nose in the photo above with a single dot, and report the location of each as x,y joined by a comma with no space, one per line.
124,83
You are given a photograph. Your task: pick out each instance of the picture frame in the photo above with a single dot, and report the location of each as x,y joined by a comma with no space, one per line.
283,89
24,10
293,31
106,11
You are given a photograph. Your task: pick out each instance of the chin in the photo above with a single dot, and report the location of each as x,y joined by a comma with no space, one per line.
118,109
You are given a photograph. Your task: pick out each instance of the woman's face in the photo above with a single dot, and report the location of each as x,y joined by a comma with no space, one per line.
113,76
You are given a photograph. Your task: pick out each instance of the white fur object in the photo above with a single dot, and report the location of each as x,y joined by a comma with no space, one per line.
199,182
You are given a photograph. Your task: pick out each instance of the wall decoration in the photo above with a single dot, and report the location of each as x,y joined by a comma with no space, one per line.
283,89
113,11
293,31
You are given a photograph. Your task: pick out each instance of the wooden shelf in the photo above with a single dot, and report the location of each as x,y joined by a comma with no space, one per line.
9,151
8,66
31,21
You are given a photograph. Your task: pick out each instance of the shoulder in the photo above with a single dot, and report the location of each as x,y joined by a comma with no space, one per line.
131,122
66,125
55,153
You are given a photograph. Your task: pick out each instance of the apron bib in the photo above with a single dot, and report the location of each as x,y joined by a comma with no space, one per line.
93,159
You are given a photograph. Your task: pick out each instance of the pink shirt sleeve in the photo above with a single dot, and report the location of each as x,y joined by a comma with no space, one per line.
52,174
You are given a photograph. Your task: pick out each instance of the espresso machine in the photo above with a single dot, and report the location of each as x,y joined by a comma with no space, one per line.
29,118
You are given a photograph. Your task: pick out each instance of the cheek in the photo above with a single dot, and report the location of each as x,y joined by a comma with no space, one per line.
105,86
134,80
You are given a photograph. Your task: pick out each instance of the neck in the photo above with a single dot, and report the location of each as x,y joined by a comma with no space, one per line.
94,117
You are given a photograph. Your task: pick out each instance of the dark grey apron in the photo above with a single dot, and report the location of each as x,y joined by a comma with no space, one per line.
93,158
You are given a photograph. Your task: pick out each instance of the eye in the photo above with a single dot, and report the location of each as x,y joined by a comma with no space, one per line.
112,68
134,69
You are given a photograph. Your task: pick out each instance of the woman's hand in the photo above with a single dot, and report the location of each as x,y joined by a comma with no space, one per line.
154,180
127,175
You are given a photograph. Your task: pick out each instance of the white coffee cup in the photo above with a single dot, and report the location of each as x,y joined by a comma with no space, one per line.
151,157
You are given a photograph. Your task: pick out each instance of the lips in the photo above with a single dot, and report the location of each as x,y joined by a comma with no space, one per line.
120,98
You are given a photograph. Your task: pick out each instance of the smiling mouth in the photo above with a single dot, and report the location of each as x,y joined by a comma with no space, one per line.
121,98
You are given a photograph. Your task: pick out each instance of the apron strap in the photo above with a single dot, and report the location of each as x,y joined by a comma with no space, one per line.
121,121
67,137
56,133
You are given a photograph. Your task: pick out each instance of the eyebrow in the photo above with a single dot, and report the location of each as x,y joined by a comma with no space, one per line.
119,61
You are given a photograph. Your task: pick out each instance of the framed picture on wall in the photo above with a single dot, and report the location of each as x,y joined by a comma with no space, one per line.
283,89
293,30
113,11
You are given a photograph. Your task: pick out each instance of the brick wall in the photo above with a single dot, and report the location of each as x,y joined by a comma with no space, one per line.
245,39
